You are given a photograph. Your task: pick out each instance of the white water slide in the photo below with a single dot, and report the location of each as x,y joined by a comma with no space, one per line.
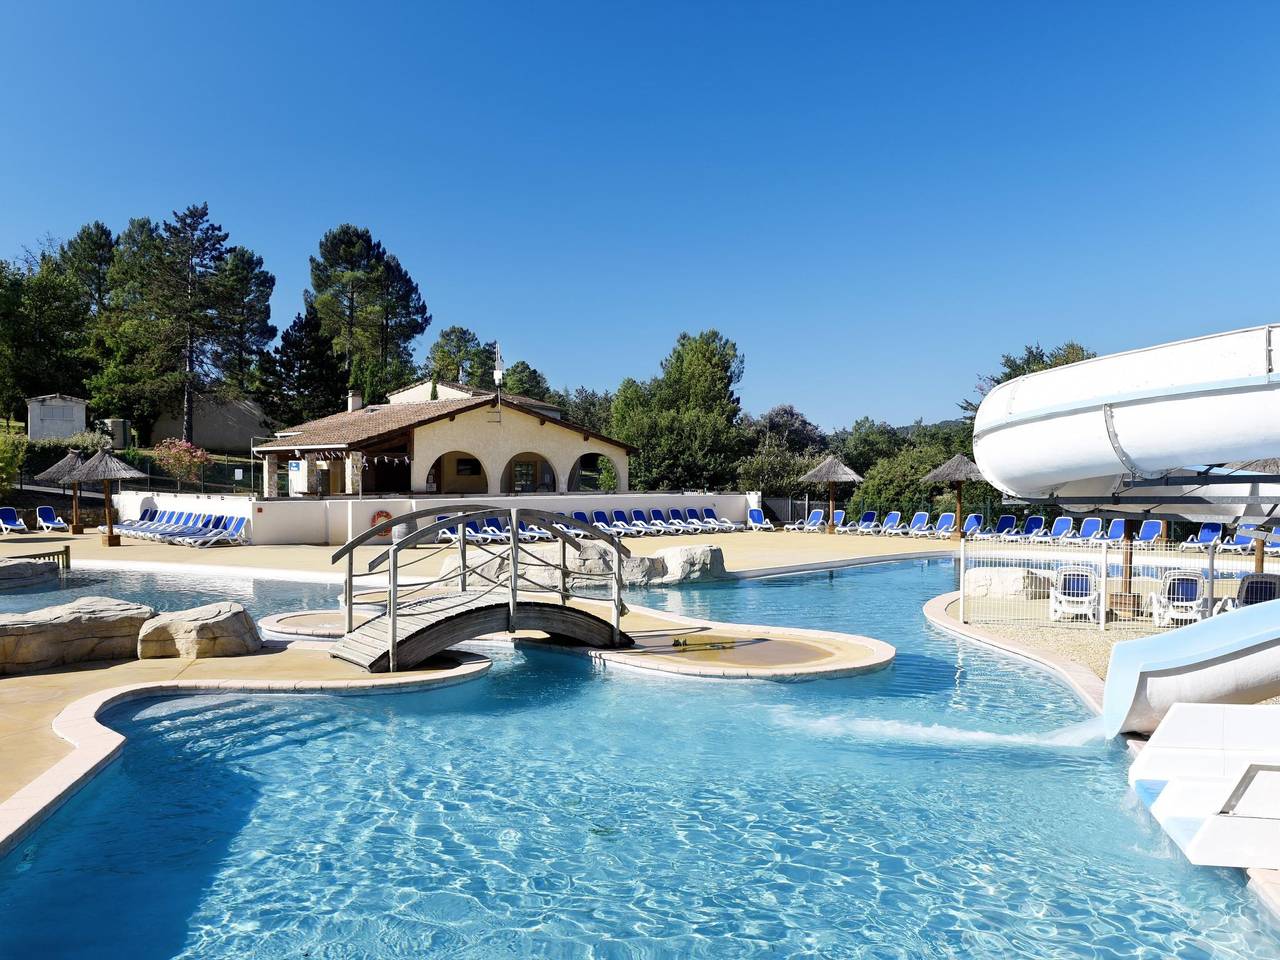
1154,432
1143,432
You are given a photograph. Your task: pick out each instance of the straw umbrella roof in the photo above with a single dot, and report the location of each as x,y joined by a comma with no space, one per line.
59,472
959,469
103,466
1266,465
831,470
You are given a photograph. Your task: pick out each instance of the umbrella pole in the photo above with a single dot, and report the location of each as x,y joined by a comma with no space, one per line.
110,538
831,507
76,528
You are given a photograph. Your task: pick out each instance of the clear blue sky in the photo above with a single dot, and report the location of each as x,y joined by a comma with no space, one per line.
874,200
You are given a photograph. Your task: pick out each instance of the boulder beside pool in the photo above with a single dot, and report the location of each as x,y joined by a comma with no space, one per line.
90,628
16,574
215,630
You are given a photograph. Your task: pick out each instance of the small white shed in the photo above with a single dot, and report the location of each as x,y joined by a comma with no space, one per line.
55,415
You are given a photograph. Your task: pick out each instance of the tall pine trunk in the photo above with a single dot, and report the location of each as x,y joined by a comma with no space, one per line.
188,393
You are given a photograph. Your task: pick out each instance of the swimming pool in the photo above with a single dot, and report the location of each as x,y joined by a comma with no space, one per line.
165,591
933,809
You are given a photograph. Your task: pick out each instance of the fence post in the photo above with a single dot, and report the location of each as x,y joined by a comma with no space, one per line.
963,559
1213,551
1106,574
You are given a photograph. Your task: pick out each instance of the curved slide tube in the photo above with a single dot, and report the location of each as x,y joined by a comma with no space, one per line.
1230,658
1166,411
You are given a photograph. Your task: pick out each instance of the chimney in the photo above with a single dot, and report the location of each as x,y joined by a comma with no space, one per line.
354,401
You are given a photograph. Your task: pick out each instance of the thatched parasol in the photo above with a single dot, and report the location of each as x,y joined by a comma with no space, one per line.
954,473
831,471
58,474
104,468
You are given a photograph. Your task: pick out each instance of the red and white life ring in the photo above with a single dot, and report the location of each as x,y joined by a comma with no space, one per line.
380,518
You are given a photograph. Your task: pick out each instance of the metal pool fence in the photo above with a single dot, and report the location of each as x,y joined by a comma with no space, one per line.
1106,585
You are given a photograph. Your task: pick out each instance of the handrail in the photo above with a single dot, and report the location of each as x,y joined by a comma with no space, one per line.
376,531
1245,782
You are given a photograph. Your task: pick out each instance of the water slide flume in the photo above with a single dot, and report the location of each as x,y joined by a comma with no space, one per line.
1231,658
1084,434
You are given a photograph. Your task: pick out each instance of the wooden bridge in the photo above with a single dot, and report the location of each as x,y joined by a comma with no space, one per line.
471,600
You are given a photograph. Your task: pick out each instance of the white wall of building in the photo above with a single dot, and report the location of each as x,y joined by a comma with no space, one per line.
336,521
493,435
50,418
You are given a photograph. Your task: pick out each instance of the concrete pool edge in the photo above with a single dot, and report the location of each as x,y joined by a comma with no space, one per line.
1083,682
95,745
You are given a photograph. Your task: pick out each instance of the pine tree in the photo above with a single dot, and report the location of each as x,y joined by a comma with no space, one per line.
303,378
243,298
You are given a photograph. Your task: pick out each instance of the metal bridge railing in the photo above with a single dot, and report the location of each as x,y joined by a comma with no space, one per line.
516,552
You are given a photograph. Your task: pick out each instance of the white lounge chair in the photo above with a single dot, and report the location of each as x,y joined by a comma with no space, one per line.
10,522
756,520
809,523
1075,593
1182,598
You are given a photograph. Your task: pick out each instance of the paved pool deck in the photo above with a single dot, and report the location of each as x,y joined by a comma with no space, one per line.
745,554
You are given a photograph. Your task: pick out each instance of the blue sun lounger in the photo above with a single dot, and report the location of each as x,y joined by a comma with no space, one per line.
972,525
813,520
709,514
1209,533
10,522
1006,523
756,520
862,525
48,521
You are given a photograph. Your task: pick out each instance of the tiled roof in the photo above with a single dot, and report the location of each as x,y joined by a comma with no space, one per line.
480,392
352,428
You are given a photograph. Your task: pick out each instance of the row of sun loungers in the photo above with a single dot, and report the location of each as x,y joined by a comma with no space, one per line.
641,523
47,521
185,529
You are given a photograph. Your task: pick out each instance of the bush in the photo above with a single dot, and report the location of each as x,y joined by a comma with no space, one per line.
42,454
13,451
181,460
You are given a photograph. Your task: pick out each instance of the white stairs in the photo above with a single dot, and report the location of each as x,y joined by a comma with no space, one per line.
1210,775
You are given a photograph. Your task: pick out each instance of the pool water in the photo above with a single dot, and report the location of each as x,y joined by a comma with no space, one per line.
942,808
167,592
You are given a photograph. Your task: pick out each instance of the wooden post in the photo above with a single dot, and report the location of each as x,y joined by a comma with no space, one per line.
76,526
1126,582
110,538
1259,555
831,507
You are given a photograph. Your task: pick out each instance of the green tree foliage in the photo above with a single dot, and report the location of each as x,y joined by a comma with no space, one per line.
894,482
585,407
139,373
1033,359
774,469
686,421
43,324
370,308
526,380
866,442
459,356
785,423
301,378
242,291
86,258
13,451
